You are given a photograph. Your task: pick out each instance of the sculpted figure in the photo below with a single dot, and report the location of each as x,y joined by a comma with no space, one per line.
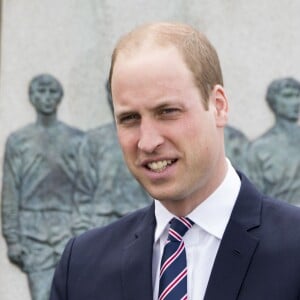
236,144
273,159
38,181
105,189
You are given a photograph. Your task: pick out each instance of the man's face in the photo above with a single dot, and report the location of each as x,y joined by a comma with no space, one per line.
45,96
288,104
171,144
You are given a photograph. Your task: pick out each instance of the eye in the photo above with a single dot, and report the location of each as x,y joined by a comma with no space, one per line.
169,112
128,119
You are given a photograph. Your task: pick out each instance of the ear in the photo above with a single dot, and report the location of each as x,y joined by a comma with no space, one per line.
220,105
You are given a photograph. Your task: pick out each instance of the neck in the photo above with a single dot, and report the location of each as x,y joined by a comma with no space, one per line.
182,207
46,120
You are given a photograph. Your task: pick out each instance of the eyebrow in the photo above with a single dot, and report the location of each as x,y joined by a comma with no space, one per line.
162,105
123,114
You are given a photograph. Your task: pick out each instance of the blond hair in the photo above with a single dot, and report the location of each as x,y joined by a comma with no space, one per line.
198,53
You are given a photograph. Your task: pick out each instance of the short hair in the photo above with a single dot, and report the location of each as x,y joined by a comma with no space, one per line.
197,52
277,85
45,79
109,96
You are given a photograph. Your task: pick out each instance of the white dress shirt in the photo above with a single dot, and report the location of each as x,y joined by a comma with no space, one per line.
202,241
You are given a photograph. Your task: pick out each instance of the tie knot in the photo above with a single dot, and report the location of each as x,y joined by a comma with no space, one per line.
178,228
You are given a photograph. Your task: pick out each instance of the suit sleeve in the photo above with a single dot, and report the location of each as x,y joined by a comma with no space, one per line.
59,290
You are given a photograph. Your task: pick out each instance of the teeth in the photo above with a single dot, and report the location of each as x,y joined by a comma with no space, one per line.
158,166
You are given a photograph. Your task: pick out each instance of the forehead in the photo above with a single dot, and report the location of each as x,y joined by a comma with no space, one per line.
44,82
151,78
149,62
289,91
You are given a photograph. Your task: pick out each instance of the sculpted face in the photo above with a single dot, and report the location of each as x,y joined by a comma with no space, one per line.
287,104
45,95
171,144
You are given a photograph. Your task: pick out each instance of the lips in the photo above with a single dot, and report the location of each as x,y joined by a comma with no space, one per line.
160,165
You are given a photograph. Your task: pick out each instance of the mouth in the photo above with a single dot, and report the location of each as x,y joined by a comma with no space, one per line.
160,165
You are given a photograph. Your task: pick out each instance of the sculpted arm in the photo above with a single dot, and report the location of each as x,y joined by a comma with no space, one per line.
255,165
11,202
85,186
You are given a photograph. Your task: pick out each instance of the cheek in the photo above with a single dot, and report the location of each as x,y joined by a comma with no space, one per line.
192,131
201,138
56,100
127,140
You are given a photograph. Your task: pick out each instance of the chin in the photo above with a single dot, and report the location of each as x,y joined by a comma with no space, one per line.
48,113
163,195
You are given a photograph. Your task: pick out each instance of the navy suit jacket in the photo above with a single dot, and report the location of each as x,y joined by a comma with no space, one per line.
258,258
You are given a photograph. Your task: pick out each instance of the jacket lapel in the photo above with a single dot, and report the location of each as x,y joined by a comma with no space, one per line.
137,259
237,246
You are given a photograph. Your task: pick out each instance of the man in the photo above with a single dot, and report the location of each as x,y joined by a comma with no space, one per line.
38,182
273,161
170,110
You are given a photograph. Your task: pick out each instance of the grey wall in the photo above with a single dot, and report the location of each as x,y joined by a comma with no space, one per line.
257,41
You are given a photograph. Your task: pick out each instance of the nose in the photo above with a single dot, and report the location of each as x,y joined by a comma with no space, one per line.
46,97
150,136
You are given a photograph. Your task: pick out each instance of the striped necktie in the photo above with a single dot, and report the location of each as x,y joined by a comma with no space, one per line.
173,268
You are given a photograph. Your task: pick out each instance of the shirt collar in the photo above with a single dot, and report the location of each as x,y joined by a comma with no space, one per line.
213,214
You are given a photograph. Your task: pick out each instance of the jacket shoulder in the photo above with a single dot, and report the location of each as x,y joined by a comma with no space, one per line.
119,231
